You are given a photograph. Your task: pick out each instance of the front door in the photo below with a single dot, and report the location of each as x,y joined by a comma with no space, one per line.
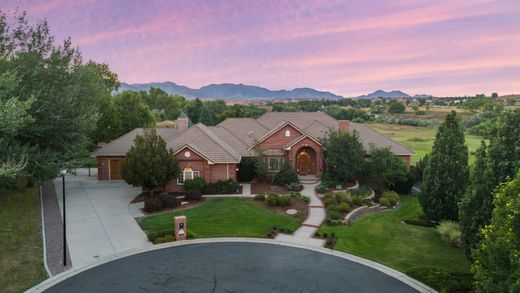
115,169
304,163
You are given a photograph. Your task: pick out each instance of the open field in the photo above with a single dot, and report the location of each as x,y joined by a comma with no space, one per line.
384,238
222,217
21,262
420,139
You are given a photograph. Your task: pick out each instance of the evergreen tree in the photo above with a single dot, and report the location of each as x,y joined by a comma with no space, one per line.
344,156
476,205
206,116
502,160
386,169
149,163
496,263
446,174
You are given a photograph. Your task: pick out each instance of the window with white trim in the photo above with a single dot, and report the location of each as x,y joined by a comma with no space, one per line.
274,164
187,174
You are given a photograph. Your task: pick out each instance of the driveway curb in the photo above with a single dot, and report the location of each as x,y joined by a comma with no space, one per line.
377,266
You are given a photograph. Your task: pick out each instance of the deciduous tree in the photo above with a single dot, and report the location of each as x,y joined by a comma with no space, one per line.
344,155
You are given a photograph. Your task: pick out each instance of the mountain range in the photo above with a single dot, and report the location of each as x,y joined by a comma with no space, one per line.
241,91
231,91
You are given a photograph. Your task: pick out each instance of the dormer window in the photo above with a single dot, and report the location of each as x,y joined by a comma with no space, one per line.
287,133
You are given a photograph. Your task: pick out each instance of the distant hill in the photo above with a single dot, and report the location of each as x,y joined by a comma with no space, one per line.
230,91
392,94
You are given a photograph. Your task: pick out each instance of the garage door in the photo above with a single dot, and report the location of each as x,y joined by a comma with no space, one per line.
115,169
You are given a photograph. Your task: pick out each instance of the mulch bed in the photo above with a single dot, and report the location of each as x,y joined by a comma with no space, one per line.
295,204
264,187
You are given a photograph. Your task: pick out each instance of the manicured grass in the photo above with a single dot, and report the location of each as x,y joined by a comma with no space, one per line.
420,139
384,238
21,262
223,217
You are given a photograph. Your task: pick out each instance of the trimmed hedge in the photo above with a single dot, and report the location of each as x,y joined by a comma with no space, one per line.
197,183
283,200
221,187
272,200
442,280
168,200
193,194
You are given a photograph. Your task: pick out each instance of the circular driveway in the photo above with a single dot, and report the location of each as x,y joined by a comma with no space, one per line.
231,267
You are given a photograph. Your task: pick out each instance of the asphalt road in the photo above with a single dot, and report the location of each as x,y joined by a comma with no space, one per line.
231,267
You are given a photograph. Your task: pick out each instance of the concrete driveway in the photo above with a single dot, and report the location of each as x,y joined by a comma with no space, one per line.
100,221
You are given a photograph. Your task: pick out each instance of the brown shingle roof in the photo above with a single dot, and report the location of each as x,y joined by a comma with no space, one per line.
121,145
299,119
369,136
248,130
201,138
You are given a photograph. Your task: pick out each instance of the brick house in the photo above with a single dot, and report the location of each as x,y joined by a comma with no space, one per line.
214,152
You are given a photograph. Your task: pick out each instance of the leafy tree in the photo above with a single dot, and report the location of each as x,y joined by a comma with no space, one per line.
496,260
132,111
109,124
446,174
396,107
418,170
476,205
149,163
206,116
385,168
63,92
166,106
504,150
344,155
192,109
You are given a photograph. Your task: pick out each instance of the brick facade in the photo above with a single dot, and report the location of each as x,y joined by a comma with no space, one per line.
210,172
317,157
279,140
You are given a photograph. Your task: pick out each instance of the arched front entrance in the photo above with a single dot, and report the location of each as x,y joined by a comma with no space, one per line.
306,161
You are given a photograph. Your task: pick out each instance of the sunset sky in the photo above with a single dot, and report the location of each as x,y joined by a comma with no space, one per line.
453,47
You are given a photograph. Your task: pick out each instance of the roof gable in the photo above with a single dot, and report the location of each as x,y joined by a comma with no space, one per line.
275,130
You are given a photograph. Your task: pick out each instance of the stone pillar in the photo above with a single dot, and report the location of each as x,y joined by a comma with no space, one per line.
180,228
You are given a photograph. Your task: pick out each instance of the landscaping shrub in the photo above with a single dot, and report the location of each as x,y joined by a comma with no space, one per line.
389,198
305,199
295,194
295,186
164,239
344,207
193,194
283,200
329,201
152,236
260,197
362,191
153,204
442,280
272,199
334,215
322,188
357,201
197,183
450,232
221,187
168,200
341,197
246,169
286,176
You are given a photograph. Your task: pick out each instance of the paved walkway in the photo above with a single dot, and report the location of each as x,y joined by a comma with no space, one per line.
100,221
304,234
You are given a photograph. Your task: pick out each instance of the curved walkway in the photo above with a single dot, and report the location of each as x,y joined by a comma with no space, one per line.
304,234
232,264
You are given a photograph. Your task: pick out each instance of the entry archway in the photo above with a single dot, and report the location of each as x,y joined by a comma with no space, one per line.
306,161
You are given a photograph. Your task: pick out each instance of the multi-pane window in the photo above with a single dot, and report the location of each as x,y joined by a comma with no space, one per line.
274,163
187,174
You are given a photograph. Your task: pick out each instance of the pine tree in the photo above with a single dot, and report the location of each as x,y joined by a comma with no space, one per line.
446,175
476,205
149,163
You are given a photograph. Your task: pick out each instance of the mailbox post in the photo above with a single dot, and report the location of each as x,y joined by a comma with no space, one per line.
181,229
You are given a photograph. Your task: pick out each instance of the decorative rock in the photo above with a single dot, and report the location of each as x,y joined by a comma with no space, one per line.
291,212
184,203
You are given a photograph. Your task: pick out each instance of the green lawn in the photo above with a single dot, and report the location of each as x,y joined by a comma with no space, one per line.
384,238
420,139
21,262
223,217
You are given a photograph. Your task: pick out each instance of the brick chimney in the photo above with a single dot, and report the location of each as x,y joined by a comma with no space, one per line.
343,125
183,122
